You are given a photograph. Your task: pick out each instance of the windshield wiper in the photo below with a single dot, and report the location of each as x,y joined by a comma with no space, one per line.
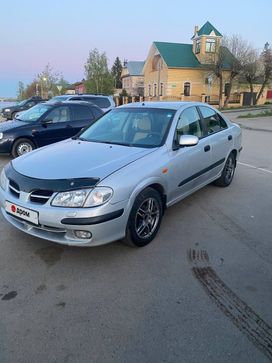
116,143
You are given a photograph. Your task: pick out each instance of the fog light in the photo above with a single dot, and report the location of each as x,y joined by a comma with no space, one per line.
83,234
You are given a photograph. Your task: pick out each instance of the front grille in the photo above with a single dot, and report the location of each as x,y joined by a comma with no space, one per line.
40,196
14,188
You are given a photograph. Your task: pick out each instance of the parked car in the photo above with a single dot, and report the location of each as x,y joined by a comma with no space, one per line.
115,180
45,124
106,103
10,111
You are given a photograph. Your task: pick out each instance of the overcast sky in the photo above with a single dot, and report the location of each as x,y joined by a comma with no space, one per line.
33,33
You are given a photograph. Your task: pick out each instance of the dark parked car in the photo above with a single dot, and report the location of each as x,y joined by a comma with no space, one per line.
10,111
45,124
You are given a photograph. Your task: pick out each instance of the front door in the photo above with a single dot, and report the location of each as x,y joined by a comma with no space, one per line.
189,166
57,128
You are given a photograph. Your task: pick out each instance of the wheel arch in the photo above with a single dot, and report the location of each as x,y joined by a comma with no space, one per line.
28,137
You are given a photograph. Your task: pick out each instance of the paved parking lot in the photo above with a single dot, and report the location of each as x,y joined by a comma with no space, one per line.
201,292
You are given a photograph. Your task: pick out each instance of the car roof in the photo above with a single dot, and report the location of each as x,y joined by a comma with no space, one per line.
80,102
82,95
162,104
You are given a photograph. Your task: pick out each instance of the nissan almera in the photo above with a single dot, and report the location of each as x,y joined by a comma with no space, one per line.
115,179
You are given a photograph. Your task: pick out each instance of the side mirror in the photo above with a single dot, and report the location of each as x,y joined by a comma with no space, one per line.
47,121
188,140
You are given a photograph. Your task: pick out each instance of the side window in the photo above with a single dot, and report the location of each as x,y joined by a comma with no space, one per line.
189,124
101,102
223,123
30,104
211,120
82,113
59,114
97,112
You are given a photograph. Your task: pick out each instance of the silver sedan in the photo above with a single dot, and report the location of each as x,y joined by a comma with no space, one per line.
116,179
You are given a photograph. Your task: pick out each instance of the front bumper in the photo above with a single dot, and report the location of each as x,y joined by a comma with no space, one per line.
5,146
107,223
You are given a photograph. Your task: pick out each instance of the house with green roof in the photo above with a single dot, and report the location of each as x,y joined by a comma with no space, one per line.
181,71
132,78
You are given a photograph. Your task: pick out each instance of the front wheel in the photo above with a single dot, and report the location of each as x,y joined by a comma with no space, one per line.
21,147
228,172
145,218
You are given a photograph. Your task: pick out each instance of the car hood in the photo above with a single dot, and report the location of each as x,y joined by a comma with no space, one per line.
14,107
8,125
72,159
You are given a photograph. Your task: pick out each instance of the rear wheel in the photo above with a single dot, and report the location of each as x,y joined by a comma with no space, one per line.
228,172
145,218
21,147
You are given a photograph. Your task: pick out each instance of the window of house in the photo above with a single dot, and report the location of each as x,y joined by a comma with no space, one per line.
161,89
210,45
187,89
155,90
197,49
189,124
227,89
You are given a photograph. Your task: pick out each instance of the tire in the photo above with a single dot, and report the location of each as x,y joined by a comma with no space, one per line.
227,173
144,219
21,147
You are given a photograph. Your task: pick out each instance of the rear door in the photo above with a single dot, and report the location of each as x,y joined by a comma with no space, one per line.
219,138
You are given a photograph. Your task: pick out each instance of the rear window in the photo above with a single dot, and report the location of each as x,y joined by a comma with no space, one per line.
101,102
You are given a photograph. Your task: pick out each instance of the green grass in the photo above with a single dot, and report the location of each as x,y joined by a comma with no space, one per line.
266,113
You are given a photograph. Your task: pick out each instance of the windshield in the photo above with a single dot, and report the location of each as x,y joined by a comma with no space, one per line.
22,103
34,113
137,127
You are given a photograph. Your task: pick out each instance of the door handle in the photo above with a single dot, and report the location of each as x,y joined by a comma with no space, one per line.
207,148
230,137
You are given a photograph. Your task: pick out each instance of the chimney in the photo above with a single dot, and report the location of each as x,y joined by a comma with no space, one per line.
196,30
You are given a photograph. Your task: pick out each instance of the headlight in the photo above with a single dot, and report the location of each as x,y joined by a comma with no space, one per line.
1,135
3,180
83,197
73,198
7,110
98,196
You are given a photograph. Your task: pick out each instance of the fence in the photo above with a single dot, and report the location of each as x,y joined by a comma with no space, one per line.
235,100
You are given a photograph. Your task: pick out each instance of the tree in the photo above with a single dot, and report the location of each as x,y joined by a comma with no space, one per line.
236,56
31,89
99,79
116,71
250,70
218,66
48,80
266,68
20,92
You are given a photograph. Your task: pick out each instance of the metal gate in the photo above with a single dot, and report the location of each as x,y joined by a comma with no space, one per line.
247,98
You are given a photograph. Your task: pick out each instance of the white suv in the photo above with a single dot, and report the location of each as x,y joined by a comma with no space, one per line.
106,103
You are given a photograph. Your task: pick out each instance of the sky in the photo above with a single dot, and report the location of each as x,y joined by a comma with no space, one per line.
34,33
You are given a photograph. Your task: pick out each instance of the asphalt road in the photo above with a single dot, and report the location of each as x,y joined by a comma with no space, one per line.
201,292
